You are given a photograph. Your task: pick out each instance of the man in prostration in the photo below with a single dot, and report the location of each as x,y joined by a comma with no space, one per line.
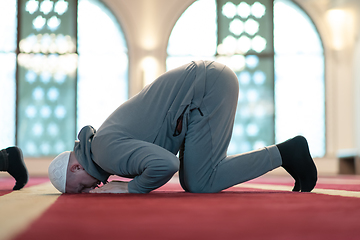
189,110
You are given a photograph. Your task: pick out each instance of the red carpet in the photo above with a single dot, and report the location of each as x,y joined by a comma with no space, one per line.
346,182
170,213
7,183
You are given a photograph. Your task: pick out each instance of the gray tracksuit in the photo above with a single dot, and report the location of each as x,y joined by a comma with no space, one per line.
189,109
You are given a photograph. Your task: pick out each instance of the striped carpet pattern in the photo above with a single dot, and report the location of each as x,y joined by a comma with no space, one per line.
264,208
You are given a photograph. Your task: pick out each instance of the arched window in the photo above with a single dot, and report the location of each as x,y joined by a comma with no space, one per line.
194,35
103,64
240,34
299,77
8,25
69,71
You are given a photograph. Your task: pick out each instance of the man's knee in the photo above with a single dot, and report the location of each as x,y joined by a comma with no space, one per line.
197,186
194,188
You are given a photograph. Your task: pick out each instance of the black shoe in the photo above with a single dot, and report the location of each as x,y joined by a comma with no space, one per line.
17,167
297,161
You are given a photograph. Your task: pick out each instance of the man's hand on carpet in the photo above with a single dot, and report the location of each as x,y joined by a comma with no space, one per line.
112,187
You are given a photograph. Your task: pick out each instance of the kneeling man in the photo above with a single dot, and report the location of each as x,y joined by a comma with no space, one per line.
189,110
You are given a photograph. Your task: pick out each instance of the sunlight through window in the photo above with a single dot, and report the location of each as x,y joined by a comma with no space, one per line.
8,26
299,78
103,64
245,36
49,58
190,39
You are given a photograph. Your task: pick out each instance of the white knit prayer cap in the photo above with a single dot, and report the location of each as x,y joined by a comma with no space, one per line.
57,171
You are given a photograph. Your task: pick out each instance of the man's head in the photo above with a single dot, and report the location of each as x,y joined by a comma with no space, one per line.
67,175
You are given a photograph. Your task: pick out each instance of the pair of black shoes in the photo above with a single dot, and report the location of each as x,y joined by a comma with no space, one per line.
297,161
12,161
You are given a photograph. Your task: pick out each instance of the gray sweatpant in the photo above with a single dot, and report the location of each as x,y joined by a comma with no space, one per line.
204,166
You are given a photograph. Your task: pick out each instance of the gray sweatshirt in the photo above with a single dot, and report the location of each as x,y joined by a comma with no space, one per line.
125,142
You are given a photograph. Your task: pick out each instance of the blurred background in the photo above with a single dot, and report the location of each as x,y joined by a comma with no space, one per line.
65,64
